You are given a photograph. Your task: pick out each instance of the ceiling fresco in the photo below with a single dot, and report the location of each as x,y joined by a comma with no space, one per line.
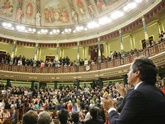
53,12
71,20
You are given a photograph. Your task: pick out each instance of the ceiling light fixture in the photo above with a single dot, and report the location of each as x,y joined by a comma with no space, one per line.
117,14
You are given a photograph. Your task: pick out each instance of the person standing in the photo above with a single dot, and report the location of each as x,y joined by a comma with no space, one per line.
146,103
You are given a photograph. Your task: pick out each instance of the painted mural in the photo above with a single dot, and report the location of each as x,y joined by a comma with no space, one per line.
25,12
6,8
19,15
103,5
55,12
80,6
91,9
79,10
52,12
29,10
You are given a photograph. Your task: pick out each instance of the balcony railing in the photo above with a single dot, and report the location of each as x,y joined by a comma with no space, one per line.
149,52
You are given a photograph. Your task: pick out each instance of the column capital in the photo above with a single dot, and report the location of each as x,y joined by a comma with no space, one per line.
57,44
143,18
37,44
15,41
119,30
98,38
78,42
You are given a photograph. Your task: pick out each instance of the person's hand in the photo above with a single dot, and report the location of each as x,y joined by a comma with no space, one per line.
120,89
108,102
127,87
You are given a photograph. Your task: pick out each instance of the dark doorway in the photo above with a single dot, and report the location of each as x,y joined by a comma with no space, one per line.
94,51
143,44
2,56
51,58
150,40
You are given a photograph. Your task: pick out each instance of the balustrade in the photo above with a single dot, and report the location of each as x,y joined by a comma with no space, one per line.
151,51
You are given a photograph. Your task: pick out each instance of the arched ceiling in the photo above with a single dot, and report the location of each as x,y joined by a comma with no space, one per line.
55,13
56,20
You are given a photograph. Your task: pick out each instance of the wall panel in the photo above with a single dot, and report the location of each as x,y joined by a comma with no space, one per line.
6,47
28,52
47,52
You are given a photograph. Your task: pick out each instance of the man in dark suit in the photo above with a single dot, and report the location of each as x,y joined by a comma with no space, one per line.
146,103
121,102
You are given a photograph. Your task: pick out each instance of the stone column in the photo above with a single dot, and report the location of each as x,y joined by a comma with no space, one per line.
57,57
35,55
57,49
84,53
121,40
32,85
36,52
8,83
78,50
145,32
78,53
13,52
99,50
42,85
55,84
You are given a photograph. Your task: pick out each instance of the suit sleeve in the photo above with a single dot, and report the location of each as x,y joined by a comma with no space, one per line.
135,104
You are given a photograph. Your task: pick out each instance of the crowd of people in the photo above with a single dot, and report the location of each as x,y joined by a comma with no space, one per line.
65,61
141,100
